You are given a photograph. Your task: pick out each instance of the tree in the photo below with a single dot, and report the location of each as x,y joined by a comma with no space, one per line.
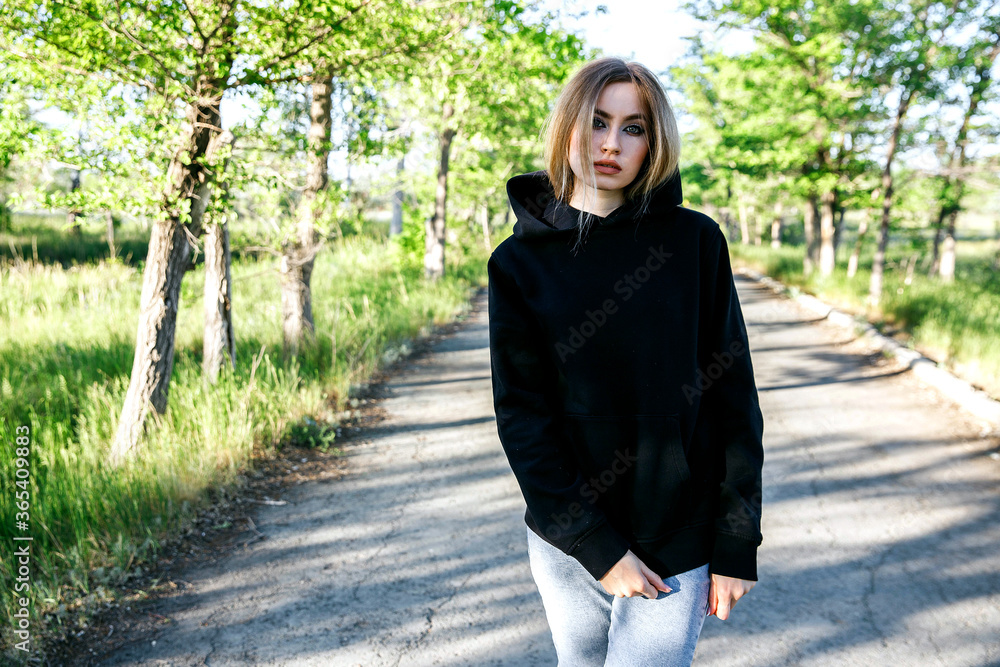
795,105
495,81
370,60
299,253
974,65
16,123
917,32
219,339
188,53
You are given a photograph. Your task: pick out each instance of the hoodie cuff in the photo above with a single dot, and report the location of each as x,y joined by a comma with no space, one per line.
734,556
600,550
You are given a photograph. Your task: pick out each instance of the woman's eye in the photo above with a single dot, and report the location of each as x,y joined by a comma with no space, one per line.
598,122
634,130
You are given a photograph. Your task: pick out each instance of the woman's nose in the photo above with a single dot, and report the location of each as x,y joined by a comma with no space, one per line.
610,143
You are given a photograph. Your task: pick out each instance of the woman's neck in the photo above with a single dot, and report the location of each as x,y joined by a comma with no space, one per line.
597,202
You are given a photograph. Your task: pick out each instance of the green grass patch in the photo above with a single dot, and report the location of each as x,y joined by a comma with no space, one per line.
45,239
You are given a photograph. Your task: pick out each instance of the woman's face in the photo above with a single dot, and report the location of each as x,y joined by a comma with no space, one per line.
619,144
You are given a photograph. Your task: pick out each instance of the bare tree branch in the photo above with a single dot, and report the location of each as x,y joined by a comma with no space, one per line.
223,20
197,27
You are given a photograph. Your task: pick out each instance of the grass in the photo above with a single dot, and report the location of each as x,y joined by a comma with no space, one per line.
44,238
955,324
66,350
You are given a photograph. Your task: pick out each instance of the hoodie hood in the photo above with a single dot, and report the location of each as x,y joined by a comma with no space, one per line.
540,214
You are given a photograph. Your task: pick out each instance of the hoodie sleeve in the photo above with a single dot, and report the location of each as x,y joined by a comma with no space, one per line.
524,385
730,413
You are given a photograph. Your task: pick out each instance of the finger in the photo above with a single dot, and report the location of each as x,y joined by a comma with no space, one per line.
712,599
649,590
739,590
722,612
655,580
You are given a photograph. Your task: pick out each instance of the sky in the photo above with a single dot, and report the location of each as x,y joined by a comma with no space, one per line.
649,31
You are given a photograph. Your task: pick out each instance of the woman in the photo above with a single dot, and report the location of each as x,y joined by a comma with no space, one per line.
622,381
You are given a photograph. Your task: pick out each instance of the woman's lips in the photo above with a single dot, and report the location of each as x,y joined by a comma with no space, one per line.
609,168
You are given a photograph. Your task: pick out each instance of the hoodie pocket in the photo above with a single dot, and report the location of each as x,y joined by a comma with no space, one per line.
662,477
635,469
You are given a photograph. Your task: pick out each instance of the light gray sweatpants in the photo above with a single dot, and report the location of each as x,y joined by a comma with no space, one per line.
591,628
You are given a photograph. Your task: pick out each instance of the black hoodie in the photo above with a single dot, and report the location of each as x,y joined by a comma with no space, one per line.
623,386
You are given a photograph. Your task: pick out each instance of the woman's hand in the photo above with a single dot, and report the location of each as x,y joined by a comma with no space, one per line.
723,594
630,577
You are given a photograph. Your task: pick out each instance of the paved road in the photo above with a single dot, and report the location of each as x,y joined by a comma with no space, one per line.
881,530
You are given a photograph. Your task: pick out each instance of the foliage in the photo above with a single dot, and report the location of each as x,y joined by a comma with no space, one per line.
492,89
809,107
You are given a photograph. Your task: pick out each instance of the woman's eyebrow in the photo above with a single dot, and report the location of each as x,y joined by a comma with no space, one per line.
634,116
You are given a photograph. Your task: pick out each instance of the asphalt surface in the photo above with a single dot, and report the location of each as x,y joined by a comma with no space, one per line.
881,529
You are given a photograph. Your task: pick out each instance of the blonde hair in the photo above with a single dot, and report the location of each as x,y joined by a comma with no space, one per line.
574,109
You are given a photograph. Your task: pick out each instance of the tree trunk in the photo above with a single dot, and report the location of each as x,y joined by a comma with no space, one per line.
711,210
827,228
73,214
758,226
219,340
852,263
744,220
776,225
484,220
728,224
947,271
435,239
838,230
809,224
732,225
936,244
110,220
167,260
299,255
396,226
878,263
